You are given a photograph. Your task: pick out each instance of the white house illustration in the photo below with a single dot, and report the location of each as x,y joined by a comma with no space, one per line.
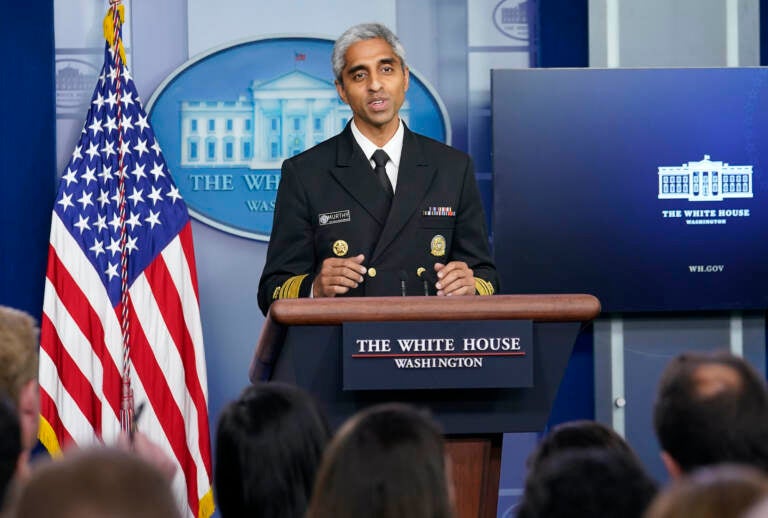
281,118
705,180
516,14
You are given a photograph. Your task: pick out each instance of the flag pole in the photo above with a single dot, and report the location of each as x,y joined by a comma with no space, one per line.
113,34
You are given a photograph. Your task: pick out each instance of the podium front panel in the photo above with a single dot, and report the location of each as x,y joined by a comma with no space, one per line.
311,358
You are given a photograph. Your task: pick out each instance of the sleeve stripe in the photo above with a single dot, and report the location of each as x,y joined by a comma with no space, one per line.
483,287
290,288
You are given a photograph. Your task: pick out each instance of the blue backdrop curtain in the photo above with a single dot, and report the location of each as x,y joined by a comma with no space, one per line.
27,150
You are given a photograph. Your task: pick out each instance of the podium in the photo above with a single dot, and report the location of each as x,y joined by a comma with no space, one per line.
300,343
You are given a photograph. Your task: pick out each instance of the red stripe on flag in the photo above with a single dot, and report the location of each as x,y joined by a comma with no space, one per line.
168,300
51,413
70,376
187,245
161,398
89,323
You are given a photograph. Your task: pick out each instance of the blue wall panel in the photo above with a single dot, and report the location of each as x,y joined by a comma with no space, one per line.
562,33
27,150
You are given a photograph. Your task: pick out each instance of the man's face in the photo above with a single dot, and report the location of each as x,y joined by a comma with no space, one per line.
373,85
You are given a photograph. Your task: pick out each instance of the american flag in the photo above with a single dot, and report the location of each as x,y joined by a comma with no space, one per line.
82,331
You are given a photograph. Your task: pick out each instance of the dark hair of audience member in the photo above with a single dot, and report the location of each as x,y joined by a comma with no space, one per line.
721,491
580,434
712,408
10,445
269,444
385,462
590,482
93,484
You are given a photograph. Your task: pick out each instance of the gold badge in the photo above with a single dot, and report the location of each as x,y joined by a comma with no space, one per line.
437,246
372,272
340,248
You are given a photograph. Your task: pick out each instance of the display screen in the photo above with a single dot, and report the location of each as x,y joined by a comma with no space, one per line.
647,188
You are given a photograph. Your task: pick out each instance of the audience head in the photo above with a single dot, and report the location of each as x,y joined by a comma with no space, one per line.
94,484
572,435
269,445
387,461
711,408
10,444
18,369
723,491
587,482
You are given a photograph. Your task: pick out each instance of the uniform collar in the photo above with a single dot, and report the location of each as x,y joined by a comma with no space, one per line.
394,147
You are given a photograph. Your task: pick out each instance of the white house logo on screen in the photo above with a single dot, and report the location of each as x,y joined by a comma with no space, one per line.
74,85
228,119
511,18
705,180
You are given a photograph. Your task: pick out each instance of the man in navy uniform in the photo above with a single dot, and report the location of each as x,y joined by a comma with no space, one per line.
377,209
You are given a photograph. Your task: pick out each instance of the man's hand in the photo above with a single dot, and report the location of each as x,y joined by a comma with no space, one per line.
454,278
338,275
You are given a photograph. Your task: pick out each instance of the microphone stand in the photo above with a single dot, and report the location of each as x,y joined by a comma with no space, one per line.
403,280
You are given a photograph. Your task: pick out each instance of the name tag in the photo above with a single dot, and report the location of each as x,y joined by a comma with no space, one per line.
329,218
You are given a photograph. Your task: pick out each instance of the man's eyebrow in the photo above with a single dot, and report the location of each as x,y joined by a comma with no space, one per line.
382,61
355,68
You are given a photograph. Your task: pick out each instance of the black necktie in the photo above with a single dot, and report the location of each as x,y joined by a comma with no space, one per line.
380,158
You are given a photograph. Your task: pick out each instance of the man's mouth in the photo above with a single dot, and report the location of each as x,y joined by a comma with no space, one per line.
378,104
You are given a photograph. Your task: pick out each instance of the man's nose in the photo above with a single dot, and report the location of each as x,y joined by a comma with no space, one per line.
375,84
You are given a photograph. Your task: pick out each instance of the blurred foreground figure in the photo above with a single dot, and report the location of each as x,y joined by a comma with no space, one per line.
96,483
587,483
18,373
724,491
576,435
269,445
711,408
10,445
388,461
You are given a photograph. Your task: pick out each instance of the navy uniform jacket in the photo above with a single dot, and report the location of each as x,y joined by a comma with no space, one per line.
330,193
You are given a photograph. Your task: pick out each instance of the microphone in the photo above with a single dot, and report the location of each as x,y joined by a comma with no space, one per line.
429,278
403,282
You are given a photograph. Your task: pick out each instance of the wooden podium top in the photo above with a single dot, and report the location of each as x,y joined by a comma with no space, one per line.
334,311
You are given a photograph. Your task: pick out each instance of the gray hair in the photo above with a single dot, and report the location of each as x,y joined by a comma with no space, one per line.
361,32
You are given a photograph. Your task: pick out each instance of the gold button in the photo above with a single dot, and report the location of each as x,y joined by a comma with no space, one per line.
371,272
340,248
420,270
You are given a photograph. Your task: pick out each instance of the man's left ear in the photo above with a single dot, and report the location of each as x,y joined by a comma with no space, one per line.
407,78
